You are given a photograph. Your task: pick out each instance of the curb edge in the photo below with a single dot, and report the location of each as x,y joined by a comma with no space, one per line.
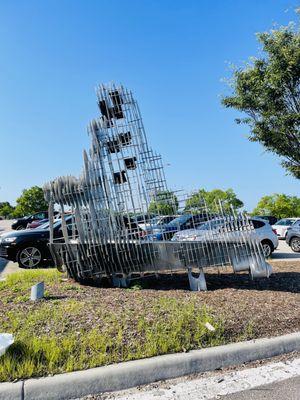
129,374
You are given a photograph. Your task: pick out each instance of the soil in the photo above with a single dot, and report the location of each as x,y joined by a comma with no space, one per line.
266,307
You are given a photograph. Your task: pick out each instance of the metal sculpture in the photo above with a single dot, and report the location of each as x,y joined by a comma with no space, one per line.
100,237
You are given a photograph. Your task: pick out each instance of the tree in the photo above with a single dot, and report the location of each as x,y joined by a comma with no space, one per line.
31,201
279,205
6,209
268,90
164,203
212,198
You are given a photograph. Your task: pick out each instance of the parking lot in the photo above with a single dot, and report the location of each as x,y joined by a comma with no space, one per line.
282,253
5,266
5,225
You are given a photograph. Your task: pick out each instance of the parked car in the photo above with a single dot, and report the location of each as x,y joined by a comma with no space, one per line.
282,226
211,230
270,218
293,236
185,221
29,248
37,223
157,222
21,223
142,218
131,228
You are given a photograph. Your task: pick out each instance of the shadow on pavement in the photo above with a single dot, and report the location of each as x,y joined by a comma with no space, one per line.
284,256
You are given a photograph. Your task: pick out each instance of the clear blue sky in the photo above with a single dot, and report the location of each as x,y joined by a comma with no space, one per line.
172,54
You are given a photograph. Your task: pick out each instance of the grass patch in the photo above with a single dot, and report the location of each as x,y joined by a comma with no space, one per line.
77,327
66,333
16,286
20,281
35,354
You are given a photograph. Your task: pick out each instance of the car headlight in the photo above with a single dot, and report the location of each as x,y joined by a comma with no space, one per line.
9,239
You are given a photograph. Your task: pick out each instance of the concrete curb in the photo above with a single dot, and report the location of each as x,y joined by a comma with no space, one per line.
134,373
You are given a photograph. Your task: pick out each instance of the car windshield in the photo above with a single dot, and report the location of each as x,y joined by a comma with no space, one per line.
296,222
56,223
179,220
211,225
155,220
285,221
164,220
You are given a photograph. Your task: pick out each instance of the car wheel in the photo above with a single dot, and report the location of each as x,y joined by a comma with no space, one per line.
267,248
295,244
29,257
20,228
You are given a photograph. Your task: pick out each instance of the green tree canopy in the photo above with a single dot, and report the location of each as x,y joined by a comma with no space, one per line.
211,199
279,205
165,203
6,209
31,201
268,90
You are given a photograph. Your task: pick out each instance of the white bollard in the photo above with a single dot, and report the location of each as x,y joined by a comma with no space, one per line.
6,340
37,291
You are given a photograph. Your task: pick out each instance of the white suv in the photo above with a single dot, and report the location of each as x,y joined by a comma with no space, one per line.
282,226
262,230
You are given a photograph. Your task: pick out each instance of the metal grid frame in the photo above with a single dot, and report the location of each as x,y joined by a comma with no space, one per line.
121,176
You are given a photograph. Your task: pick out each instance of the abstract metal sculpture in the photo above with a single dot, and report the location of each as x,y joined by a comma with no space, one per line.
121,176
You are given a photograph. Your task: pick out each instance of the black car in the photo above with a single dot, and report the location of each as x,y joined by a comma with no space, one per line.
142,218
29,248
21,223
129,228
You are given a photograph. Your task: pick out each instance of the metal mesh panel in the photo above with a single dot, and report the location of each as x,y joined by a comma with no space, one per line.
102,210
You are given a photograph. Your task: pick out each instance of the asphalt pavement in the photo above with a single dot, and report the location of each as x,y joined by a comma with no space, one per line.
284,252
288,389
5,266
5,225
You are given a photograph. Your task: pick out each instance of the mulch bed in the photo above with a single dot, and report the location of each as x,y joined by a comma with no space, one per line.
266,307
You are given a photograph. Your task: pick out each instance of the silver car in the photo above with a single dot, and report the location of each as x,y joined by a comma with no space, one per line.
211,229
293,237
